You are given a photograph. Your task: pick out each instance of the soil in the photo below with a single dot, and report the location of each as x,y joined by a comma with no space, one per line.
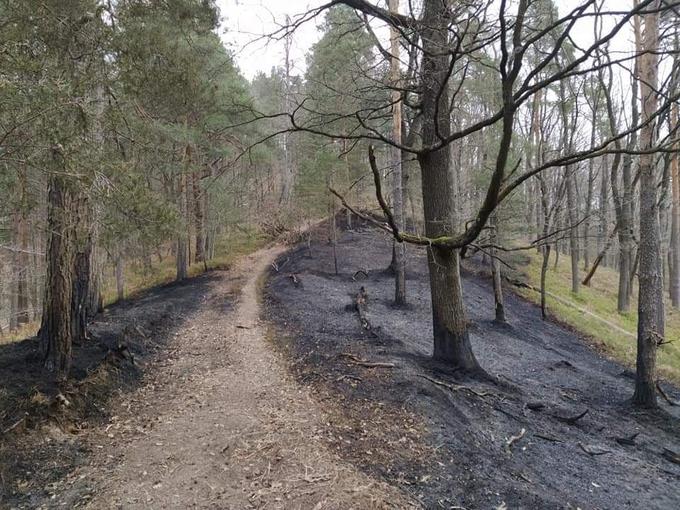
451,443
207,416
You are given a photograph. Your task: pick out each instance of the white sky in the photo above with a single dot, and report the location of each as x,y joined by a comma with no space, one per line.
246,21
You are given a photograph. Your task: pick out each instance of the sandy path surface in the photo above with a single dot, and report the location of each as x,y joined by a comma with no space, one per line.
220,424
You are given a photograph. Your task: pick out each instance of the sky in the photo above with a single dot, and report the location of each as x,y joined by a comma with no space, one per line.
246,22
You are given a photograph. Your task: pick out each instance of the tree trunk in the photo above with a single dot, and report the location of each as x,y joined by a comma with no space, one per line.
650,299
451,336
496,275
675,223
182,254
55,329
544,272
573,230
199,223
396,157
120,277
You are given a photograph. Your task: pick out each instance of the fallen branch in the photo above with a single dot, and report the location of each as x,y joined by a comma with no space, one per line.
571,420
365,363
13,426
591,452
671,456
546,437
627,440
665,396
456,387
349,376
296,281
513,439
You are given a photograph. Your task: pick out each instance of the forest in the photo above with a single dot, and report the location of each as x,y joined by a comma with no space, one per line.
352,254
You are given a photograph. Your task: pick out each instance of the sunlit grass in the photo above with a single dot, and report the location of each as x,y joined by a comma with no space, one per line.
600,298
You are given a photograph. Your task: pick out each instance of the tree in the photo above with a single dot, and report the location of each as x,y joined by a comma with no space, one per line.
448,38
650,298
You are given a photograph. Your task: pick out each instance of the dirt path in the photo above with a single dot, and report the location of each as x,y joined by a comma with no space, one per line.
221,425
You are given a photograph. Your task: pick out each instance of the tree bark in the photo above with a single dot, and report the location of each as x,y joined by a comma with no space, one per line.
675,222
496,276
396,160
55,329
650,299
120,277
451,337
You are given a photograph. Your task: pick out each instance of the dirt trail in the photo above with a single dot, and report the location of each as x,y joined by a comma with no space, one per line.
220,424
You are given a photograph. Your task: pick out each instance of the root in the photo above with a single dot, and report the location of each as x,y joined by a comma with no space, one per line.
456,387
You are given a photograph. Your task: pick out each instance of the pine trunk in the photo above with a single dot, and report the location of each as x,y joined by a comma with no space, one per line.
650,299
55,329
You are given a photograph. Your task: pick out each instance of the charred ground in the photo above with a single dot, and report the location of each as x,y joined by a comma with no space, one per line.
456,443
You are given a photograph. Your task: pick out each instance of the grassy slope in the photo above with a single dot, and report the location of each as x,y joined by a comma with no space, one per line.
600,299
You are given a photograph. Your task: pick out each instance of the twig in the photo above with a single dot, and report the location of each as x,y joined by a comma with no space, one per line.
664,395
571,420
546,437
365,363
513,439
671,456
458,387
15,425
349,376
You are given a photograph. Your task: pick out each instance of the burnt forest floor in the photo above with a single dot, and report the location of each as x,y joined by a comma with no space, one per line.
461,443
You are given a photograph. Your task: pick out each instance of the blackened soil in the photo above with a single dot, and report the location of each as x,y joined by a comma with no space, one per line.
449,447
41,422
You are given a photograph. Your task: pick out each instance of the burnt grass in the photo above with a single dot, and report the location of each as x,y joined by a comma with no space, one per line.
448,446
41,421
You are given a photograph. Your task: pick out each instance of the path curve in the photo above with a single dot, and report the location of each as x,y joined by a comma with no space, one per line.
221,424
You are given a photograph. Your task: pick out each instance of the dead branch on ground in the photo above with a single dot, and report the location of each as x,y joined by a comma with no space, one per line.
571,420
456,387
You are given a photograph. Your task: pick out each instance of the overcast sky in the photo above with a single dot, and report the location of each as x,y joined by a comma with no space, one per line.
246,21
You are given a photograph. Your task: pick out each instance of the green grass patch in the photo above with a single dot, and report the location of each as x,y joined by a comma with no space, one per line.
600,298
